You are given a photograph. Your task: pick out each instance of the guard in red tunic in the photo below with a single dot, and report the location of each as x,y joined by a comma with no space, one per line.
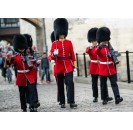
25,78
53,62
63,53
94,63
35,63
52,37
106,65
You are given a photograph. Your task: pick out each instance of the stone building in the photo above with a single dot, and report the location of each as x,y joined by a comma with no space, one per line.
121,38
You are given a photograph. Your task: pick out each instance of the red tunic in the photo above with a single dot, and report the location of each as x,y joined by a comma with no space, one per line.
66,57
106,64
94,65
22,78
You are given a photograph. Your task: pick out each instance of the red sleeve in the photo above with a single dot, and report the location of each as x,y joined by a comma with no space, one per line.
98,51
88,51
12,60
50,57
72,52
51,51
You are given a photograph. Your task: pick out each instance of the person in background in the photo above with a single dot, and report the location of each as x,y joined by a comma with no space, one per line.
45,68
9,74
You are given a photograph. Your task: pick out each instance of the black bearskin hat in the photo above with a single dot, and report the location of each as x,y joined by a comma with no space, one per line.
60,27
19,42
91,36
103,34
52,37
29,40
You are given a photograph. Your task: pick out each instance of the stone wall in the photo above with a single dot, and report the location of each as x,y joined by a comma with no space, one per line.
121,37
26,27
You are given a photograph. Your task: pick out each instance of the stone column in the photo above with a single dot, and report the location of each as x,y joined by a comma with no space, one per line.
40,39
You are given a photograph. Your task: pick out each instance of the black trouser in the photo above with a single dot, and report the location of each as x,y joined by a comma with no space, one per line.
27,95
23,93
113,81
58,96
36,93
70,87
33,97
95,86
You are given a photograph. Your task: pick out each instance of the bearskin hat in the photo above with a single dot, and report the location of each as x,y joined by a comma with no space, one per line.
60,27
29,40
91,36
19,42
52,37
103,34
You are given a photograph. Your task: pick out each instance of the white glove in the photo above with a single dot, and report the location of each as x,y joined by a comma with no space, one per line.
74,70
56,52
39,61
52,61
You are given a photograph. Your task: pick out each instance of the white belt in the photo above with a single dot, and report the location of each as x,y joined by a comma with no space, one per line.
94,61
23,71
105,63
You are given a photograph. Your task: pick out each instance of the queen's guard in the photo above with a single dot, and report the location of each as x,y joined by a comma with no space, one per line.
106,65
63,53
25,79
94,64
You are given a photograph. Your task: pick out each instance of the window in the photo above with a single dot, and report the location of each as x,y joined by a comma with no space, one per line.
9,22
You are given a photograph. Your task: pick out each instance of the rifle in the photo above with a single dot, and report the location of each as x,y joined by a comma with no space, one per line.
113,54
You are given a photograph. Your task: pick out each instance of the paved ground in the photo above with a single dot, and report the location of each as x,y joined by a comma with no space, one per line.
9,99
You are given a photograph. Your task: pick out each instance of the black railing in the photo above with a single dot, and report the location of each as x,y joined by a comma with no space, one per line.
85,67
128,65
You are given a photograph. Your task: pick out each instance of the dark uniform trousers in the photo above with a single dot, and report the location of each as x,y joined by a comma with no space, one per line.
113,81
28,94
36,94
95,86
58,96
68,78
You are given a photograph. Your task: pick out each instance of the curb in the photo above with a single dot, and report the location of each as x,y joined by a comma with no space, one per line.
123,85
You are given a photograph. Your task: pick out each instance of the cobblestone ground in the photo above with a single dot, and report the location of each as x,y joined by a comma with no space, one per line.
9,99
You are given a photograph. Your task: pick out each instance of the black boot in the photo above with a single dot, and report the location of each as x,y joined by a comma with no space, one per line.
95,100
73,105
118,100
37,104
109,99
63,106
104,102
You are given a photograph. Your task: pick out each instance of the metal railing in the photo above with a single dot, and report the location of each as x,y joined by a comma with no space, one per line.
128,65
85,67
